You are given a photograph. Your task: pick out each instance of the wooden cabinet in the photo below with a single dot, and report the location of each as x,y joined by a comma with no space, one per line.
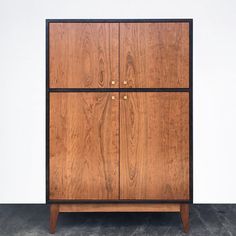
119,116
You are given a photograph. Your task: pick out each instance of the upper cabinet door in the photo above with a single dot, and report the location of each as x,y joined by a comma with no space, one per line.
83,55
154,55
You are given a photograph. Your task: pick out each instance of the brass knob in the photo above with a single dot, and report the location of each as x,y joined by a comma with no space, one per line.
125,97
125,82
113,82
113,97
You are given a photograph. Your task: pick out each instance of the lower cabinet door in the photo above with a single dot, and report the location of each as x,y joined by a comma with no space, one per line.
84,146
154,146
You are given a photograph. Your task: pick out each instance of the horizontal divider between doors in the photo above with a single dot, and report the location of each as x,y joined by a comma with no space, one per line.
58,90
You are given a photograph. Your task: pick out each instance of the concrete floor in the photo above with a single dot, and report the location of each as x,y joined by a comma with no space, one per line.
33,220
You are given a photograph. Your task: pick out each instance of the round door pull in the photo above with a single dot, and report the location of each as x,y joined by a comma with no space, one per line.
125,82
125,97
113,97
113,82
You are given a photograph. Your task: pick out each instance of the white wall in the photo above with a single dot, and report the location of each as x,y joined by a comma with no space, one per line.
22,94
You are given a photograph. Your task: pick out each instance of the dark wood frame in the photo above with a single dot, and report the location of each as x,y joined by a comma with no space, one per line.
189,90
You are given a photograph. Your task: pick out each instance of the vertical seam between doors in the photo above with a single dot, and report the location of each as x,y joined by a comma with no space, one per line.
119,101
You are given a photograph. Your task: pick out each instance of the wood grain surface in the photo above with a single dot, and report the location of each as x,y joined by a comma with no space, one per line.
54,212
83,55
154,55
119,207
184,213
84,146
154,146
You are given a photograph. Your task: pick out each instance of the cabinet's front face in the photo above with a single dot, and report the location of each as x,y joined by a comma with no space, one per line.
84,146
121,145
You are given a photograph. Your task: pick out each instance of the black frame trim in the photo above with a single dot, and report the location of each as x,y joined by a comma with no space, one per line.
47,111
191,109
119,201
189,90
118,20
76,90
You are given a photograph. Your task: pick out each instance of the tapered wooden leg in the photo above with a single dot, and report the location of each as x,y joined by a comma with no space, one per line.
54,211
184,212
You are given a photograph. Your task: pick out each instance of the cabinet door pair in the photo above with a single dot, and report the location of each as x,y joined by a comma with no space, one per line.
119,55
118,145
111,146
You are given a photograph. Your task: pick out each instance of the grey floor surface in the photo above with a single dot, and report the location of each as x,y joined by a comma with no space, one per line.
33,220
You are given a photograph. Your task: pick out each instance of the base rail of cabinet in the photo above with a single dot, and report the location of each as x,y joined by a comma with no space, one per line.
55,209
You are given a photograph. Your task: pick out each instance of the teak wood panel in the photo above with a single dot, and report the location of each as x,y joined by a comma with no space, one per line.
84,55
154,55
84,146
154,146
119,207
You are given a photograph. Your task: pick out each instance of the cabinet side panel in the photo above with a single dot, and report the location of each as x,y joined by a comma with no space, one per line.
154,152
84,143
83,55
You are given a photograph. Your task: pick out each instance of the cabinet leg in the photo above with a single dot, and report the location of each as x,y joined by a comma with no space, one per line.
54,211
184,213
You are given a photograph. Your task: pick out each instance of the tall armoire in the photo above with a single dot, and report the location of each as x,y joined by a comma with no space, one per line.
119,116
